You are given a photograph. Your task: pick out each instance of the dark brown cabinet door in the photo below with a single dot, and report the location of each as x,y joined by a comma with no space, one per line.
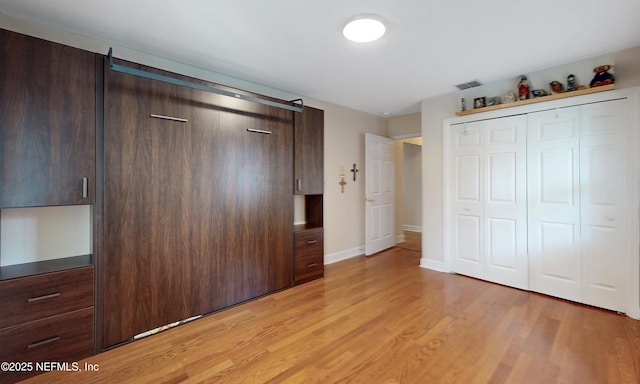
47,122
309,151
197,213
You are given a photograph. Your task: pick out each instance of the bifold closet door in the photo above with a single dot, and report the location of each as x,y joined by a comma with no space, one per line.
466,180
487,182
578,219
553,168
505,202
603,196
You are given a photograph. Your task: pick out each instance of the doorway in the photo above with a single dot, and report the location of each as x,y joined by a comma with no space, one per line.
409,193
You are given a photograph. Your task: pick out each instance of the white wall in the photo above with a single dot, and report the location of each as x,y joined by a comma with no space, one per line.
37,234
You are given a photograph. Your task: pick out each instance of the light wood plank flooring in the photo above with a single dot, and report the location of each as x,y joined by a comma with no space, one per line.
384,320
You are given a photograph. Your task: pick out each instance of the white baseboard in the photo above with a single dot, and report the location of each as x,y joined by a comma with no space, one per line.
411,228
432,264
331,258
400,239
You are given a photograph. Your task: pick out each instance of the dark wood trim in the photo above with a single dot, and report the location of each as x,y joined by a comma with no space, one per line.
98,208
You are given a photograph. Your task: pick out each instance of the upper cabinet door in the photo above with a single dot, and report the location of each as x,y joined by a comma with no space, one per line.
47,123
309,151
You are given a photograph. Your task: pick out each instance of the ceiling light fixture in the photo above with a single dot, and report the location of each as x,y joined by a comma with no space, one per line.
364,28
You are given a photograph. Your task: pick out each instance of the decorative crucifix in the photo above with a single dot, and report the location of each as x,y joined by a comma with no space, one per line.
342,184
354,170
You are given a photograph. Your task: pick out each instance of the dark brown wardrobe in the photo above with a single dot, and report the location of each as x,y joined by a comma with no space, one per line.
198,207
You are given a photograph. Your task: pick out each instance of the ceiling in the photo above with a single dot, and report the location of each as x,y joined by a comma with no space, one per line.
297,46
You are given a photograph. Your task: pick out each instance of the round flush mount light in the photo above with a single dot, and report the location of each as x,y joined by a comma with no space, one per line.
364,28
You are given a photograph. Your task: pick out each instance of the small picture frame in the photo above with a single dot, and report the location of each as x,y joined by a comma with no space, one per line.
479,102
492,101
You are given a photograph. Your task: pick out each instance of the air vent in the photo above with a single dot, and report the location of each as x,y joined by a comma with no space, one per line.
468,85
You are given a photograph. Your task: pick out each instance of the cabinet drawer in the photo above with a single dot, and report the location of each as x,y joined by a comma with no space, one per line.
35,297
62,338
309,267
309,241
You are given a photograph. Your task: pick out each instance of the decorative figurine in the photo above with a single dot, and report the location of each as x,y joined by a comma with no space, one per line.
571,83
556,87
509,97
538,93
493,101
602,77
523,88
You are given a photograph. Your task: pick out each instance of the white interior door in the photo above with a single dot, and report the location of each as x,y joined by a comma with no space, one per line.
466,240
505,201
379,176
553,152
603,170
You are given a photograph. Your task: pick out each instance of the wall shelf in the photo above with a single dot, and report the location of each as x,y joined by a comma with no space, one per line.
557,96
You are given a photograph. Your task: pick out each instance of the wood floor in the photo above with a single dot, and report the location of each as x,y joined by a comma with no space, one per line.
383,319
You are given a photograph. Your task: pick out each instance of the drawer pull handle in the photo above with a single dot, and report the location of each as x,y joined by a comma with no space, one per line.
50,296
43,342
311,242
163,117
312,265
259,131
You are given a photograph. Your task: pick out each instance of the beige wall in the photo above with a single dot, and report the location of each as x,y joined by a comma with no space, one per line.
344,131
408,192
436,109
404,126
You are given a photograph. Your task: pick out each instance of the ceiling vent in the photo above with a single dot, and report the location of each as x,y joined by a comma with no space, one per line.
468,85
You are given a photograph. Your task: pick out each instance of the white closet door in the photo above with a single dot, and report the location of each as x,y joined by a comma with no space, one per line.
603,162
465,186
505,201
553,161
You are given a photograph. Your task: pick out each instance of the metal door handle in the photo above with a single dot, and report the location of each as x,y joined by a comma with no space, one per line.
85,187
370,200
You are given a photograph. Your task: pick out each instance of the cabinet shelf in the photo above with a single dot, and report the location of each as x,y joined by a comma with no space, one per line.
40,267
557,96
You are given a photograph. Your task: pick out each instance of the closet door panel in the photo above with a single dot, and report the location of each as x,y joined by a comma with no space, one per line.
603,169
465,183
159,208
553,202
255,251
505,206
